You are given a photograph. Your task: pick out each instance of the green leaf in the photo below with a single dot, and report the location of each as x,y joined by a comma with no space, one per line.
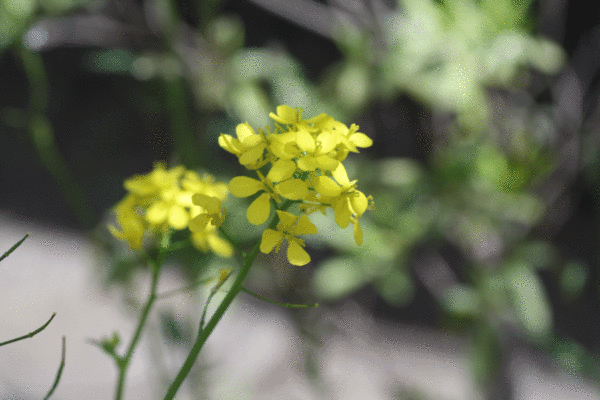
461,300
485,353
397,288
337,278
530,301
572,280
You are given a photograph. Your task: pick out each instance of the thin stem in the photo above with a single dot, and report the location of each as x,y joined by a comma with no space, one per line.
210,296
287,305
14,247
203,334
42,138
30,334
173,292
60,368
123,362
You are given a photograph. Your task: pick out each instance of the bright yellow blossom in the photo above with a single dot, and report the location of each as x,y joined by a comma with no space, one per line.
259,210
162,200
288,228
248,147
131,221
305,157
212,212
349,203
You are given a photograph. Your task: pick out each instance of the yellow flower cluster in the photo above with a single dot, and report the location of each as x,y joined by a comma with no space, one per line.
305,158
177,199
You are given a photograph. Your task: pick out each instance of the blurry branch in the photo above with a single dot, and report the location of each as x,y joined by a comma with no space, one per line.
305,13
14,247
94,30
323,20
185,288
60,369
42,137
286,305
30,334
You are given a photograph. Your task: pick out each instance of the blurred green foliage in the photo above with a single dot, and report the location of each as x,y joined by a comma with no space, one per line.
475,68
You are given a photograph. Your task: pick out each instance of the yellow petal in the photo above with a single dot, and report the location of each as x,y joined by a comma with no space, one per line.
307,163
133,231
243,131
242,186
199,223
157,213
297,255
281,170
305,227
209,203
252,141
361,140
305,141
178,217
327,187
252,155
259,210
343,212
328,142
359,202
270,239
230,144
294,189
341,176
327,163
220,246
200,240
285,115
288,220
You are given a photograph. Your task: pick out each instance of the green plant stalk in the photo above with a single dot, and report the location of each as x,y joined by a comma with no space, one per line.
14,247
123,362
42,137
30,334
60,369
277,303
203,334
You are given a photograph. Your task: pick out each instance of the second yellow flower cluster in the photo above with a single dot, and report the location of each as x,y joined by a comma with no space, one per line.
177,199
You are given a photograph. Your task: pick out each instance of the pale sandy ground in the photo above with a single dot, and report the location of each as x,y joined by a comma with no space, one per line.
255,353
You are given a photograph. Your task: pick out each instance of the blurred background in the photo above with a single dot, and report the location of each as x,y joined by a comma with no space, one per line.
485,173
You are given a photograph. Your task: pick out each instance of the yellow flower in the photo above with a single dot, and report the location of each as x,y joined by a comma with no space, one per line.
207,240
350,139
311,150
213,212
162,199
260,208
288,228
132,223
349,203
306,166
248,147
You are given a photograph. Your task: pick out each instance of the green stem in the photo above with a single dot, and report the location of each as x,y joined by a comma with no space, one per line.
42,137
14,247
286,305
30,334
123,362
203,334
60,369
